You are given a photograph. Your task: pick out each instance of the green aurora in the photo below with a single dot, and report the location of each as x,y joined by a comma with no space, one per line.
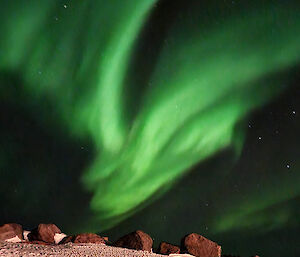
215,65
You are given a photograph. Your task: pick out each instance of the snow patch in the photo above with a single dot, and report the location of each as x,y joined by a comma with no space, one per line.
25,234
58,237
15,239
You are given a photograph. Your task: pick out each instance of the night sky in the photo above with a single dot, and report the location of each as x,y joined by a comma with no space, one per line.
268,167
156,115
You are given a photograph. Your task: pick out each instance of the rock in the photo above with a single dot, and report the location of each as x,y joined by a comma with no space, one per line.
83,238
45,233
137,240
166,248
32,236
88,238
67,239
11,230
200,246
58,237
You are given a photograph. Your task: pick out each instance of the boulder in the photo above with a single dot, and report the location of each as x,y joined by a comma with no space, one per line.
45,233
166,248
84,238
10,231
67,239
200,246
137,240
88,238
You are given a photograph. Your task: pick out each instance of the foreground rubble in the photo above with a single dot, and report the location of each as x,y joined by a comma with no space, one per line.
48,240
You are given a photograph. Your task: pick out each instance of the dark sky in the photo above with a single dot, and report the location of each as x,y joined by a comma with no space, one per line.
248,204
268,164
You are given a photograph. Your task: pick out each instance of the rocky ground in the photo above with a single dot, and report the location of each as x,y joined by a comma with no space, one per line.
48,240
69,249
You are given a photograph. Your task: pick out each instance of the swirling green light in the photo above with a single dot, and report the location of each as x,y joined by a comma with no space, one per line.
208,75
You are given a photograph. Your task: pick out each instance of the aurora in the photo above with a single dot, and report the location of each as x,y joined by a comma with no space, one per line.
213,67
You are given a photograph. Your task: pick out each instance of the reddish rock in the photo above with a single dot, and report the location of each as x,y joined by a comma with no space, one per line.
88,238
137,240
44,232
84,238
10,230
166,248
200,246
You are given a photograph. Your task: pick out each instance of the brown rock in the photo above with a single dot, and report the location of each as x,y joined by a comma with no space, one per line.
166,248
84,238
44,232
200,246
88,238
11,230
137,240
